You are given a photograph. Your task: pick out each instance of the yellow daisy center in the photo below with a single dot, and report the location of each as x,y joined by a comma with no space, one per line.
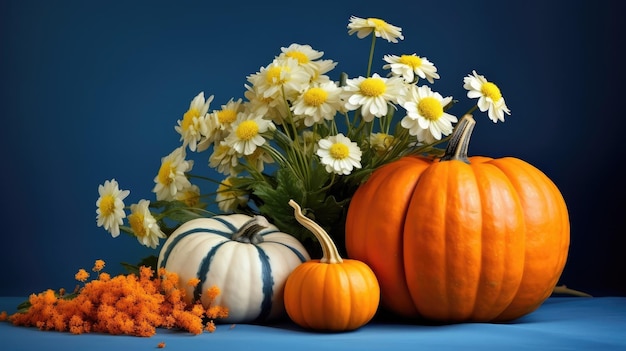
225,185
302,58
379,24
136,224
430,108
274,75
247,130
107,205
491,90
315,96
339,151
373,87
164,173
188,118
226,116
411,61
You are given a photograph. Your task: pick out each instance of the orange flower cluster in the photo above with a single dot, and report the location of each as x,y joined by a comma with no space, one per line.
125,304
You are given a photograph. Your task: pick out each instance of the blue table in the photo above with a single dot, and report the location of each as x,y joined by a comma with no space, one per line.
561,323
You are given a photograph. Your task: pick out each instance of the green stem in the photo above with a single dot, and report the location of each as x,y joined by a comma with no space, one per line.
371,57
471,110
189,175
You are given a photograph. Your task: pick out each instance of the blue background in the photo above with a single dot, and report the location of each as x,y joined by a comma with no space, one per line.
91,90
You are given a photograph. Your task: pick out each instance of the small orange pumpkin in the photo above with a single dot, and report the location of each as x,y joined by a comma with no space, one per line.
331,293
460,239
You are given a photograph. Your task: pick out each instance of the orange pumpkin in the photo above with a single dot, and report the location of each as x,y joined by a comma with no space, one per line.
460,239
331,293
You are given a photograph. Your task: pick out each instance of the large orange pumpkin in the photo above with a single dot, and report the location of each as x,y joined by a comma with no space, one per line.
460,239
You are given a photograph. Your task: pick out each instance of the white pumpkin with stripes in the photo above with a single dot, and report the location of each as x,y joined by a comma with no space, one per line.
246,257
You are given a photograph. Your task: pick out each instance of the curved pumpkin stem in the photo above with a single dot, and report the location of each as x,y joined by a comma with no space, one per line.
330,254
249,231
459,141
563,289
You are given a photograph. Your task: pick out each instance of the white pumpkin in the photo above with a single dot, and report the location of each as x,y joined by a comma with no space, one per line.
246,257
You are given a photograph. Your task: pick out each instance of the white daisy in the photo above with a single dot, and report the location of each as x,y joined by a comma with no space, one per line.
339,154
228,198
246,134
425,112
318,102
144,225
304,54
110,207
224,159
219,122
364,26
171,177
273,109
488,94
407,66
323,67
372,94
193,125
258,159
284,74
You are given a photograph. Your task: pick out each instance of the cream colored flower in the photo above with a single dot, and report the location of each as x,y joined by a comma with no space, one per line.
258,159
219,122
323,67
228,198
190,196
408,66
282,75
171,177
275,110
110,207
224,159
318,102
304,54
381,142
488,94
339,154
193,127
425,112
308,139
246,134
364,26
144,225
372,95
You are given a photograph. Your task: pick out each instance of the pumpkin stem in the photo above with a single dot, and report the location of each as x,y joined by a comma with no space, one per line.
330,254
459,141
249,231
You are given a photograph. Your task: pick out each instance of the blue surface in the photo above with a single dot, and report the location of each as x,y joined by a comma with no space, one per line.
561,323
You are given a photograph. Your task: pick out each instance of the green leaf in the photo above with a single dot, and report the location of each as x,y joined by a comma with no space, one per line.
325,210
149,261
